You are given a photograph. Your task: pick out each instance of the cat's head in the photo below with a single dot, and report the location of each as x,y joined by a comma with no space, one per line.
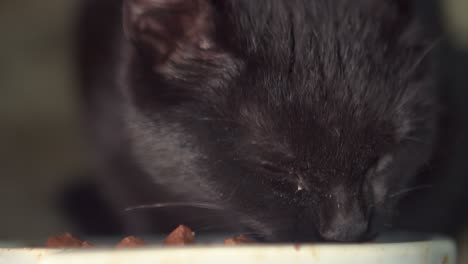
301,119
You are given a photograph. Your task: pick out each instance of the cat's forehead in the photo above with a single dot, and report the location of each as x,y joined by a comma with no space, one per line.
326,132
275,27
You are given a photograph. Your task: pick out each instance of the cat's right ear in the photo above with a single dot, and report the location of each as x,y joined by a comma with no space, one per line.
163,29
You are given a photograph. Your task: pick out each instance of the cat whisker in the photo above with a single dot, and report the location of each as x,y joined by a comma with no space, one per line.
408,190
209,206
413,139
211,119
229,229
424,55
211,227
230,196
386,210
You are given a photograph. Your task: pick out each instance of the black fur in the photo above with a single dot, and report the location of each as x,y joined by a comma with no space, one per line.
300,120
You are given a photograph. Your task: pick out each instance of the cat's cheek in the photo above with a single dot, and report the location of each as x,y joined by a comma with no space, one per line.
379,191
377,180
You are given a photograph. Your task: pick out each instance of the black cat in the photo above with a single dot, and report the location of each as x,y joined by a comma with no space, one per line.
289,120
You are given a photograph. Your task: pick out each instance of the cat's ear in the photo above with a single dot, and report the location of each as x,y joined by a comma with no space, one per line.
162,29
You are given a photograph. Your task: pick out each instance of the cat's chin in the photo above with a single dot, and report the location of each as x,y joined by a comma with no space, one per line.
308,236
287,237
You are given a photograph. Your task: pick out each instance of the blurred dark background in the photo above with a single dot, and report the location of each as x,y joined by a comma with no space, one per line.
42,149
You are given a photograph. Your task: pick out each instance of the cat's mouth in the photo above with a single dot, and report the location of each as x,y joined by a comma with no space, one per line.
301,231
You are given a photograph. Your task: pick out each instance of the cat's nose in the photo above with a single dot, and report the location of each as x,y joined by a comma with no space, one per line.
342,218
349,231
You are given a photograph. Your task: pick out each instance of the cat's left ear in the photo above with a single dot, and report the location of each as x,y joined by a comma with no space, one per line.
164,29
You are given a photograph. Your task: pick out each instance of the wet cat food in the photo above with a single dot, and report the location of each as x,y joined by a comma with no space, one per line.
131,241
237,240
66,240
182,235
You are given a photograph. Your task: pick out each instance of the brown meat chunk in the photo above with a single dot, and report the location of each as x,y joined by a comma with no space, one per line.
130,242
66,240
86,244
237,240
182,235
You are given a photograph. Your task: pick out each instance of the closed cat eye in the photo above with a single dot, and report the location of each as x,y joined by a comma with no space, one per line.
273,168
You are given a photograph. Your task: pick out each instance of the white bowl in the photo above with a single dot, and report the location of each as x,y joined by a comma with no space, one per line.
418,250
